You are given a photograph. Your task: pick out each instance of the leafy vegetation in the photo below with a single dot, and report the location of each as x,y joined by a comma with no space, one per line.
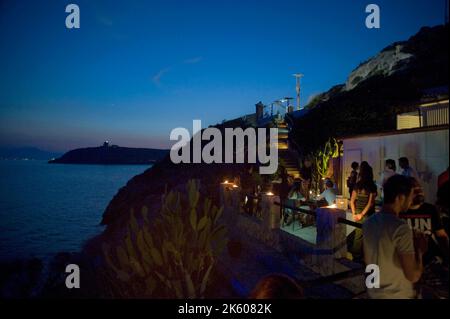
321,159
172,257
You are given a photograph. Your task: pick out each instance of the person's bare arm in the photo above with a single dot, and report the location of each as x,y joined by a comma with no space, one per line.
352,203
441,234
412,266
369,204
410,246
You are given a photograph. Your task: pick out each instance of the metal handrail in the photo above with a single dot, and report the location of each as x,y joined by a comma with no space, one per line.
301,210
313,213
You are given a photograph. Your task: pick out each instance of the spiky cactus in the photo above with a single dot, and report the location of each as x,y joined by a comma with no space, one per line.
174,256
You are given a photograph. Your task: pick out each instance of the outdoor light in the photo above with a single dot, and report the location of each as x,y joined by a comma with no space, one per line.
270,194
341,202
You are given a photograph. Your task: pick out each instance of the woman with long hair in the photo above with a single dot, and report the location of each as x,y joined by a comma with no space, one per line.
362,204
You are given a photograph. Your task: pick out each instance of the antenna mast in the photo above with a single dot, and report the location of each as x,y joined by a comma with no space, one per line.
298,76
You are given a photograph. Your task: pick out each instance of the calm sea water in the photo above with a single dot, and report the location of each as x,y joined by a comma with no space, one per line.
48,208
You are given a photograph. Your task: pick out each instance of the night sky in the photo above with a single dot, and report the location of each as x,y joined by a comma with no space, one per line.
137,69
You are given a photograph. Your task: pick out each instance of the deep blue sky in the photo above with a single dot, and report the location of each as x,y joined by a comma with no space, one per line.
137,69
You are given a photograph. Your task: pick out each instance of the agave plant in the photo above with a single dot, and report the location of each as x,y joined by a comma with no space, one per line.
173,257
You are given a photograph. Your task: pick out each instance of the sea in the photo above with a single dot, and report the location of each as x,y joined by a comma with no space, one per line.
50,208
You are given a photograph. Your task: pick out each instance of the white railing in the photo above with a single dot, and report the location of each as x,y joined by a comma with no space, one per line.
435,114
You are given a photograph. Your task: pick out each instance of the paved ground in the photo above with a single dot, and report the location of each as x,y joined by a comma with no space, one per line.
308,233
257,260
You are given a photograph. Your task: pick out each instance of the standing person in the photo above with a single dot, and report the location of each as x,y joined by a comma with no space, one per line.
306,176
391,245
389,170
352,178
362,204
284,189
442,201
247,186
407,170
425,218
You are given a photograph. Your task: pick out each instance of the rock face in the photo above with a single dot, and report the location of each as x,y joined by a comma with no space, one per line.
385,63
418,73
111,155
421,62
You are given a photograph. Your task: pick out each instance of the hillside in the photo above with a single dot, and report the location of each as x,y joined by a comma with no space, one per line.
111,155
396,80
19,153
422,61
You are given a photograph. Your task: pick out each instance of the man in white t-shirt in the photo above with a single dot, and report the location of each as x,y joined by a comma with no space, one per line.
389,243
329,194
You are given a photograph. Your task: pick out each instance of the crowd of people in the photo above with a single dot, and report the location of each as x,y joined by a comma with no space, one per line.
407,238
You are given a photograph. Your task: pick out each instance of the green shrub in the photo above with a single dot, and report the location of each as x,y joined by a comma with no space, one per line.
173,257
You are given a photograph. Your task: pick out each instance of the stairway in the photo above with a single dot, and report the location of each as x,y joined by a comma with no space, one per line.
286,157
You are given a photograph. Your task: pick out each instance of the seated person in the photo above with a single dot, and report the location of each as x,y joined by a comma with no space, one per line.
329,194
295,197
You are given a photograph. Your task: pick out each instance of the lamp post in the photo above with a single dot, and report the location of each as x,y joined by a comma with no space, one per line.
298,76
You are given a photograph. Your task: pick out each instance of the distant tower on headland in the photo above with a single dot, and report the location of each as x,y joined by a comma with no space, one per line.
106,144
